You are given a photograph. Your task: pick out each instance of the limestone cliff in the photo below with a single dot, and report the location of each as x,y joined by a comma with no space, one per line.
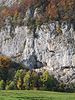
49,45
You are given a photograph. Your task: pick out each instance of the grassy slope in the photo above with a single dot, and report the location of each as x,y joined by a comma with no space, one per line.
35,95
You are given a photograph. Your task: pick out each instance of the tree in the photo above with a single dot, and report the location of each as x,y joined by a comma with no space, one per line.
27,80
48,81
34,80
5,65
19,78
44,78
5,62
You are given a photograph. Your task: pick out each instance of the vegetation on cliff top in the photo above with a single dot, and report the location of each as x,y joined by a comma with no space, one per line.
49,10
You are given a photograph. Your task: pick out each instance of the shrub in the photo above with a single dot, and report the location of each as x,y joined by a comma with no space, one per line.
66,87
2,85
48,81
11,86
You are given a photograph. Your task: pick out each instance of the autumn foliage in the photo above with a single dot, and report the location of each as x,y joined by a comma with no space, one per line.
52,9
63,9
5,62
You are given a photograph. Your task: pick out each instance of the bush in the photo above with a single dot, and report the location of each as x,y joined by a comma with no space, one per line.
66,87
48,81
11,86
2,85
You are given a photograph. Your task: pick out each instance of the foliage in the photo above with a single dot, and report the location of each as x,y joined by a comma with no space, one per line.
34,80
5,62
48,81
3,74
61,9
27,80
18,78
6,70
64,87
2,85
11,86
51,9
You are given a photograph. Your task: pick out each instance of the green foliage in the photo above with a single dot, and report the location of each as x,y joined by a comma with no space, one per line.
19,74
27,79
11,86
70,87
3,74
34,80
2,85
11,73
19,78
48,81
22,79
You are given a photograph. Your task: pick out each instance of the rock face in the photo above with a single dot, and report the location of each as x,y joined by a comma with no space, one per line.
49,47
8,2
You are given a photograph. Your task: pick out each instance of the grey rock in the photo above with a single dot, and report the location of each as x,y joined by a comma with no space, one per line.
52,49
8,3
